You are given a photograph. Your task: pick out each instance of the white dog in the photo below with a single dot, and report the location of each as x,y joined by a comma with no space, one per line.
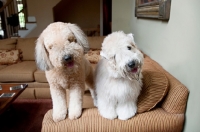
118,76
60,53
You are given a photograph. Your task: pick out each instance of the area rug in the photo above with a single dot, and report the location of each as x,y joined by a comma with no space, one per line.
25,115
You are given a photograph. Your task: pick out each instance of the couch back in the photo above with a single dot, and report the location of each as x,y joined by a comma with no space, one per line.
27,45
95,42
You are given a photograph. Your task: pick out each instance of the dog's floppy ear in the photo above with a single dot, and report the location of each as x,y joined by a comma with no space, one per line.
80,36
41,55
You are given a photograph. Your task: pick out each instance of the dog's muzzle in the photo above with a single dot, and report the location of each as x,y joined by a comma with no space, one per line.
68,60
133,66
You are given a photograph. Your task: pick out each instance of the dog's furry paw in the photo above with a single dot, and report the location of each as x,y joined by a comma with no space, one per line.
126,116
74,114
127,111
59,116
109,115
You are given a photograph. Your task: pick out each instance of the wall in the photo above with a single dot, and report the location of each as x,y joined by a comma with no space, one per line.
174,44
84,13
42,10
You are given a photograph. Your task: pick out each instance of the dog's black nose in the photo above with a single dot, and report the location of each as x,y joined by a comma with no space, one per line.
131,64
68,57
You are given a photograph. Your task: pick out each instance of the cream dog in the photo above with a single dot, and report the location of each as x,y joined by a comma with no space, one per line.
118,77
60,53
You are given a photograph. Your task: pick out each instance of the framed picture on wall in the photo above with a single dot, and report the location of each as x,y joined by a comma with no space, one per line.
156,9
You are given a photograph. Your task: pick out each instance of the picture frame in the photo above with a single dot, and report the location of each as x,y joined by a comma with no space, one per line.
155,9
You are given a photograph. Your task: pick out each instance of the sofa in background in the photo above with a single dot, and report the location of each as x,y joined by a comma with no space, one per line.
17,65
23,69
161,104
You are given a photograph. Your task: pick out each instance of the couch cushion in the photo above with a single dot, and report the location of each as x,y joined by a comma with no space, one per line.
20,72
8,44
27,46
9,56
155,87
91,121
40,76
2,66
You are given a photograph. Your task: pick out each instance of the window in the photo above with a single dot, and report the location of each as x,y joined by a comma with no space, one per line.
1,30
20,8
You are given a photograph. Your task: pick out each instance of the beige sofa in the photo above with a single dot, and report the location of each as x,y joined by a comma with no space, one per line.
161,104
23,69
161,108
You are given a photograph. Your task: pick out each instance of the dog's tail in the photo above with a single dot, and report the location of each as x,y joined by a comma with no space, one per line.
80,36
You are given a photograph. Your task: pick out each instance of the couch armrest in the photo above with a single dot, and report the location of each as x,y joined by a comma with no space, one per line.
176,99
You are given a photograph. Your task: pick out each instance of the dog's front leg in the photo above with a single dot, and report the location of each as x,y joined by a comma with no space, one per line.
59,103
75,100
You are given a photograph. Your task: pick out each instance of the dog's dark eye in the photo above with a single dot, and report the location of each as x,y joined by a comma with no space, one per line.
50,47
129,47
72,39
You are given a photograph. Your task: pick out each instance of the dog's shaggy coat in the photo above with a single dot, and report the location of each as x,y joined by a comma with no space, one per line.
118,77
60,53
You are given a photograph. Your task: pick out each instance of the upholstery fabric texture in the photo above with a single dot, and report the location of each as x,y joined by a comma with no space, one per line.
91,121
27,45
8,44
40,76
155,87
177,94
20,72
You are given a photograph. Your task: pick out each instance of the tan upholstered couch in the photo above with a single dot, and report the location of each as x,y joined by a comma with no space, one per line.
161,105
23,69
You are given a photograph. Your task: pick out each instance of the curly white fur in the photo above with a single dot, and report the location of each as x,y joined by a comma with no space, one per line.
118,77
60,53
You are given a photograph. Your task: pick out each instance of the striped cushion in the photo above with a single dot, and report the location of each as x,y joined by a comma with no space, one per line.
155,87
153,121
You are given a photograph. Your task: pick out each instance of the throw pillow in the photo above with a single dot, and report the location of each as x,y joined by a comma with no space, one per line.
93,55
155,87
9,56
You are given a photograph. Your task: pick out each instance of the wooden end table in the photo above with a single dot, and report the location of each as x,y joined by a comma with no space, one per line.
5,102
